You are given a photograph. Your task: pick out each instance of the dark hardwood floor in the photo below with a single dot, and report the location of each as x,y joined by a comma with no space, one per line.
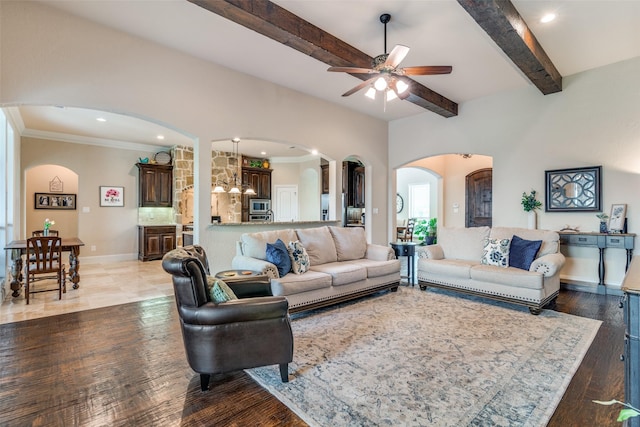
125,366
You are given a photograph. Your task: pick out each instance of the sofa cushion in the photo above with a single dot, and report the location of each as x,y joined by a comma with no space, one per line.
342,273
218,291
351,242
318,243
378,268
254,245
296,283
550,239
523,252
463,243
278,255
299,258
496,252
447,267
509,276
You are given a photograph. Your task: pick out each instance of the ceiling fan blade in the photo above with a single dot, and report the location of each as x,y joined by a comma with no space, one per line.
396,56
354,70
360,86
426,70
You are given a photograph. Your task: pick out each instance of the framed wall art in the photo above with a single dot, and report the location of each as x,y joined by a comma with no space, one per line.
111,196
570,190
54,201
617,217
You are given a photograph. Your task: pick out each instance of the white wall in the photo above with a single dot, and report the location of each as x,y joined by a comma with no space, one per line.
595,120
52,58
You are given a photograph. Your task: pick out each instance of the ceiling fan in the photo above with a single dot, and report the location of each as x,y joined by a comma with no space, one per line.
388,77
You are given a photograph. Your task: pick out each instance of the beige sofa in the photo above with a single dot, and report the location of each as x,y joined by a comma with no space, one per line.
456,262
342,265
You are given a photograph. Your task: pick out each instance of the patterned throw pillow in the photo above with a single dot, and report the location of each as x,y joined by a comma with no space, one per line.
299,257
218,291
496,252
523,252
278,255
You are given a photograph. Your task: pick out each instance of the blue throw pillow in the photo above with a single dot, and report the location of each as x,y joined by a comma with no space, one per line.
278,255
523,252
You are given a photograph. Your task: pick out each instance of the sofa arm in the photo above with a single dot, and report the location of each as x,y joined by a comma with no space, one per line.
379,252
239,310
549,265
430,252
255,264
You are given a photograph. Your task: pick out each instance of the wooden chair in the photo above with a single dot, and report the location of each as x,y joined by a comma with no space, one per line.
407,234
44,264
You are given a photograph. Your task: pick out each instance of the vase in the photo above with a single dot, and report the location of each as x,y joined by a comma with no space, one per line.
603,227
45,232
532,220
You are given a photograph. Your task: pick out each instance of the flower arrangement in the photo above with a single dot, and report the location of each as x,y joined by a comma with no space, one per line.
602,216
529,202
48,223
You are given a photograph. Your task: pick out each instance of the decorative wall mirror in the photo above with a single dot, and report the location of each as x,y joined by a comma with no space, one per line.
577,189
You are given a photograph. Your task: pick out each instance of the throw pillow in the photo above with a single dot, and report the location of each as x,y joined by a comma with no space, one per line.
299,257
218,291
496,252
523,252
278,255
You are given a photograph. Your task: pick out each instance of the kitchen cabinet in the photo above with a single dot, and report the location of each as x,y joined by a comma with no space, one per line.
260,180
353,184
155,240
155,185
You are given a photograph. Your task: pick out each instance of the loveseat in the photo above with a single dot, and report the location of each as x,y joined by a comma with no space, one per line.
516,265
328,264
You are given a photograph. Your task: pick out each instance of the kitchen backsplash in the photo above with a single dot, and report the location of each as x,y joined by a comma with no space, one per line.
153,216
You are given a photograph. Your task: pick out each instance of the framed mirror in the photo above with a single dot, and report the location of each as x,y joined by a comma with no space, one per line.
570,190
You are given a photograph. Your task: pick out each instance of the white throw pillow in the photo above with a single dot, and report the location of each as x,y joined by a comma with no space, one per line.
496,252
351,242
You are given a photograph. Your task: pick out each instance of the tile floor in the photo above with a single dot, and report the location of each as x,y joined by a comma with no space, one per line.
101,285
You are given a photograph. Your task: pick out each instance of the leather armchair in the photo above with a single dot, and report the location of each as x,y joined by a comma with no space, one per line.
238,334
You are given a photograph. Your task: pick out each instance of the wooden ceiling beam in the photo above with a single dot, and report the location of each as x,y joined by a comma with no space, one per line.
503,23
279,24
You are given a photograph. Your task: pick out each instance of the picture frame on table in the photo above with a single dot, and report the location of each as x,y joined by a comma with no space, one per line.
617,218
111,196
54,201
573,190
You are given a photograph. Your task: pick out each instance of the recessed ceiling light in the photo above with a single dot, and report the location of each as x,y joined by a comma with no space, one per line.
548,18
264,153
314,152
160,137
101,119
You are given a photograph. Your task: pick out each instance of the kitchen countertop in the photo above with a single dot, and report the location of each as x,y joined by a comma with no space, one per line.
337,222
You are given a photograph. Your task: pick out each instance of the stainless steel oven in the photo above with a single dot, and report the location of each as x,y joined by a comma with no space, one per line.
259,206
259,218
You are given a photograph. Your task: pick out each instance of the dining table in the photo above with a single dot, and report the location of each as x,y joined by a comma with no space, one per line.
18,249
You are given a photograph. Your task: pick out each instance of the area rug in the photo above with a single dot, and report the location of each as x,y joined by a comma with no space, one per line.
416,358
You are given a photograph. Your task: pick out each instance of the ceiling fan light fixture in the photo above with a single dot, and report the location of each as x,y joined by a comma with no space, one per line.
371,93
401,86
391,95
381,84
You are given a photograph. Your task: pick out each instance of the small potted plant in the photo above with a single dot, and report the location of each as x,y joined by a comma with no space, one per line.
603,221
426,230
530,204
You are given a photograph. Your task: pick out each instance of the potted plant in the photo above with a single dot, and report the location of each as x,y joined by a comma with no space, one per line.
530,204
426,231
603,221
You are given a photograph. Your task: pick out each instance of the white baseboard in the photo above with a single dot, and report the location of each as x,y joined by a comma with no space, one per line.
105,259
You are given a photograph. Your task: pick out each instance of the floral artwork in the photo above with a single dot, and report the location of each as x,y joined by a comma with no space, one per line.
111,196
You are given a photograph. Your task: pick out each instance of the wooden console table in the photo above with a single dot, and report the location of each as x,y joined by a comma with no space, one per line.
601,241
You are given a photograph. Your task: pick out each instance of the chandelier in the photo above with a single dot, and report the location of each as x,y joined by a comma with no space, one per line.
235,189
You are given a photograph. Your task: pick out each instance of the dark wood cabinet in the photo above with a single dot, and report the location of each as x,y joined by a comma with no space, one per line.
353,184
155,240
358,186
155,185
324,169
260,180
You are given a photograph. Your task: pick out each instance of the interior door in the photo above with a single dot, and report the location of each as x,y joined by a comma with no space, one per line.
286,203
479,193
